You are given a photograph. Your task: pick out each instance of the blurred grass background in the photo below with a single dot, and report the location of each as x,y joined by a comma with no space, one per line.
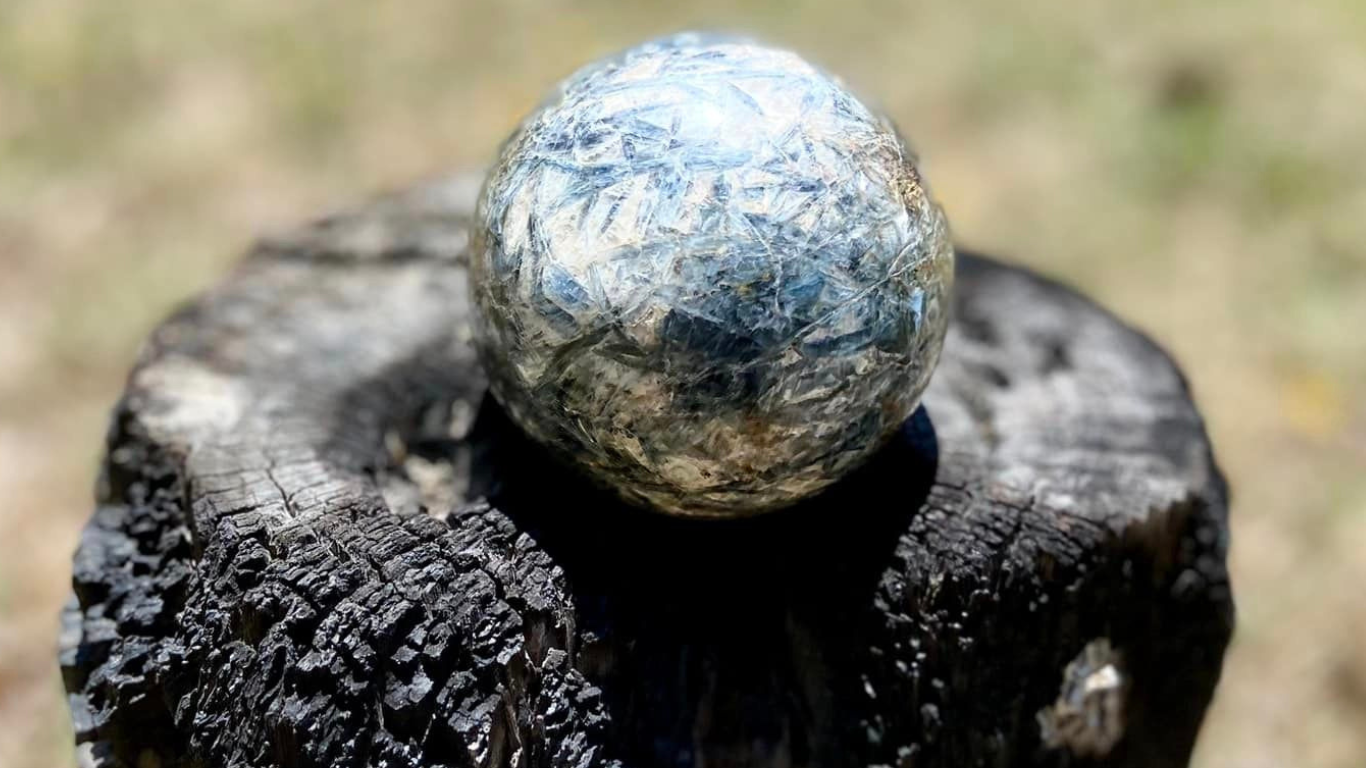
1198,167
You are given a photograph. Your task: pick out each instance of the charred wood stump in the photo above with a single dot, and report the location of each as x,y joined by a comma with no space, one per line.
318,543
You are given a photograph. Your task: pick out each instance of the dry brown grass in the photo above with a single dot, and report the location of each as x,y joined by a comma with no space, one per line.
1199,167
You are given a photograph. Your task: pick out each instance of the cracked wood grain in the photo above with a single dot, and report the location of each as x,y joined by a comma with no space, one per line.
262,582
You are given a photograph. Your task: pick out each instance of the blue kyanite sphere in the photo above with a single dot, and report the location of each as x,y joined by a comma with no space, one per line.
708,275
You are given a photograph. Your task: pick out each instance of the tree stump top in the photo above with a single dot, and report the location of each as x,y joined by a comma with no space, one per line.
317,543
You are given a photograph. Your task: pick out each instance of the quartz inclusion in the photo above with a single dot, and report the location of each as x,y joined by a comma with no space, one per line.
708,275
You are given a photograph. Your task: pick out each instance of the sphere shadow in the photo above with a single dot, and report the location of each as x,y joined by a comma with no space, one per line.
729,633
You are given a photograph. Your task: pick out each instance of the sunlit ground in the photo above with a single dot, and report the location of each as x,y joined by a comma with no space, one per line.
1198,167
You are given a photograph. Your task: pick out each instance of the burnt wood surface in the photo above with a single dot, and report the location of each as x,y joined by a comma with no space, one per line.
317,543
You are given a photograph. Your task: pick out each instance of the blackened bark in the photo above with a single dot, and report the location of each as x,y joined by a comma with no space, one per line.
318,544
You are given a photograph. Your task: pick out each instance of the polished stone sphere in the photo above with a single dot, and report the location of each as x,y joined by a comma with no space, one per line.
708,275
